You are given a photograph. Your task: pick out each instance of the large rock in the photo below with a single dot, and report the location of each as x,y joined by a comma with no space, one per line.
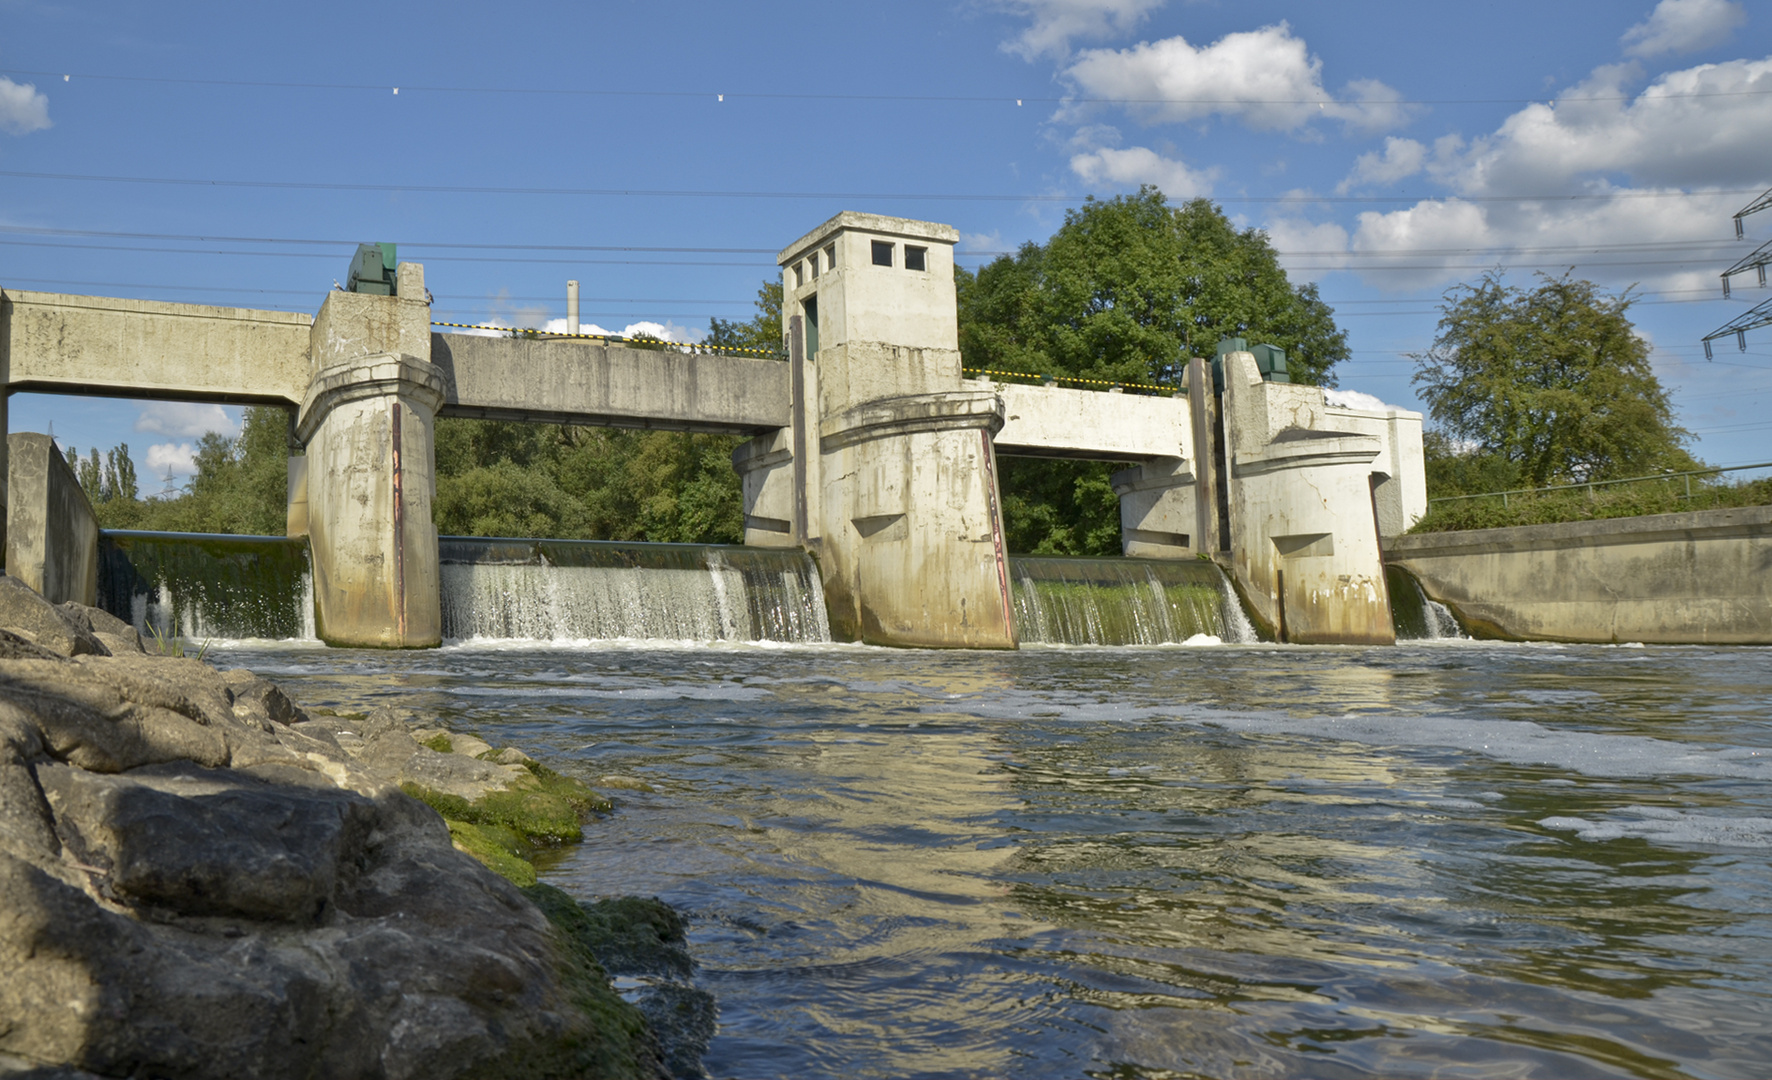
197,880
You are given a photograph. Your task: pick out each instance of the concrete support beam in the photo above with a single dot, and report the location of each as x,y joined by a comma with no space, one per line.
51,534
1057,422
1157,511
59,344
1399,487
561,381
367,422
1304,537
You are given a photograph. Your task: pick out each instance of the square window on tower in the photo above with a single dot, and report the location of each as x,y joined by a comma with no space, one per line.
916,258
882,253
830,257
799,274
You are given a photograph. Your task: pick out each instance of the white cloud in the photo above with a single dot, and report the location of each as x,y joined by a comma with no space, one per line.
1308,249
665,331
1653,167
976,242
180,418
1401,158
1265,78
1353,399
1056,23
1139,165
1683,26
1705,125
22,109
177,458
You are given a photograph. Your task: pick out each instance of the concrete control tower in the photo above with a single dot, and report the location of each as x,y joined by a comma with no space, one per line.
887,472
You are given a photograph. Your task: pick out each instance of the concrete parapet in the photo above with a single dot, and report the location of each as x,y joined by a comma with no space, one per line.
1703,577
583,382
1304,537
59,344
51,534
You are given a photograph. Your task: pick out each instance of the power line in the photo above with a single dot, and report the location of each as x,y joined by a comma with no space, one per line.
478,189
310,292
721,97
31,230
331,255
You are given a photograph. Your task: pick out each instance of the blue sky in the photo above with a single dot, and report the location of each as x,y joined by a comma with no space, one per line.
660,153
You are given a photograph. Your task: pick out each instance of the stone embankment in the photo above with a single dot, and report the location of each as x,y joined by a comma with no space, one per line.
198,879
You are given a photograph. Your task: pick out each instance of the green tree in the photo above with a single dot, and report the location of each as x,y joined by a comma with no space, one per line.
1127,289
120,474
763,331
497,478
1549,385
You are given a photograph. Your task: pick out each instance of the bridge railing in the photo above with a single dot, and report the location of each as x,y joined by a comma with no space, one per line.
636,342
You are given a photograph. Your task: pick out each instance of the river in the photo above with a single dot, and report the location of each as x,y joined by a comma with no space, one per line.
1445,859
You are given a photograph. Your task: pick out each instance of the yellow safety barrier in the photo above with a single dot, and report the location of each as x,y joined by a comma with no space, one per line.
1070,379
687,345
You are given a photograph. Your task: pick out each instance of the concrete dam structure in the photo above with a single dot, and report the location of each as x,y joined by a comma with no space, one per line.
868,449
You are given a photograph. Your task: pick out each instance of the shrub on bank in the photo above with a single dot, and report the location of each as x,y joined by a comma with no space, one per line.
1623,500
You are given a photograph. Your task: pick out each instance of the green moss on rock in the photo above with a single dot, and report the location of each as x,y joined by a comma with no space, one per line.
439,742
616,1042
503,851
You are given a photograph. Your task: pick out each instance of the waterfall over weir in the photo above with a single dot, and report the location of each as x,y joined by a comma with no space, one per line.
204,586
1416,617
582,589
1078,601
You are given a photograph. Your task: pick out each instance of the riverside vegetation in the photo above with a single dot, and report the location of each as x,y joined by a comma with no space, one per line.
1549,386
200,879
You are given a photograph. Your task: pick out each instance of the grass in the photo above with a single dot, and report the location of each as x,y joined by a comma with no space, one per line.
1623,500
175,646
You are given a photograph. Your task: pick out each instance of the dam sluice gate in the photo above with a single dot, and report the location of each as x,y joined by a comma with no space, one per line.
872,505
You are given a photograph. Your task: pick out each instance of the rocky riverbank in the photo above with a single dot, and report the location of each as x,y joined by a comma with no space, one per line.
198,879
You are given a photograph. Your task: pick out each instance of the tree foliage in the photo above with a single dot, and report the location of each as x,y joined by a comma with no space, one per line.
497,478
241,484
1125,291
1541,386
762,332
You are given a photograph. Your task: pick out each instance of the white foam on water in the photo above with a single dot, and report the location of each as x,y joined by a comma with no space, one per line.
1661,825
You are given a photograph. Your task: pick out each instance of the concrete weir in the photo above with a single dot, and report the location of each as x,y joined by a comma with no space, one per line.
868,448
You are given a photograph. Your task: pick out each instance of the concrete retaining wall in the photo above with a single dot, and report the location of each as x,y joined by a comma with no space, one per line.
1697,578
51,534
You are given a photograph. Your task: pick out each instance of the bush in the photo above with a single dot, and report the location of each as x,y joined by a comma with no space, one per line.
1615,501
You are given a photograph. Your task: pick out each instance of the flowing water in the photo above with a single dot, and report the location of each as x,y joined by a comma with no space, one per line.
205,585
1077,601
593,590
1443,859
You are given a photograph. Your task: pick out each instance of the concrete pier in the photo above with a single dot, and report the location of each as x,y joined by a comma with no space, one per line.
367,422
889,463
